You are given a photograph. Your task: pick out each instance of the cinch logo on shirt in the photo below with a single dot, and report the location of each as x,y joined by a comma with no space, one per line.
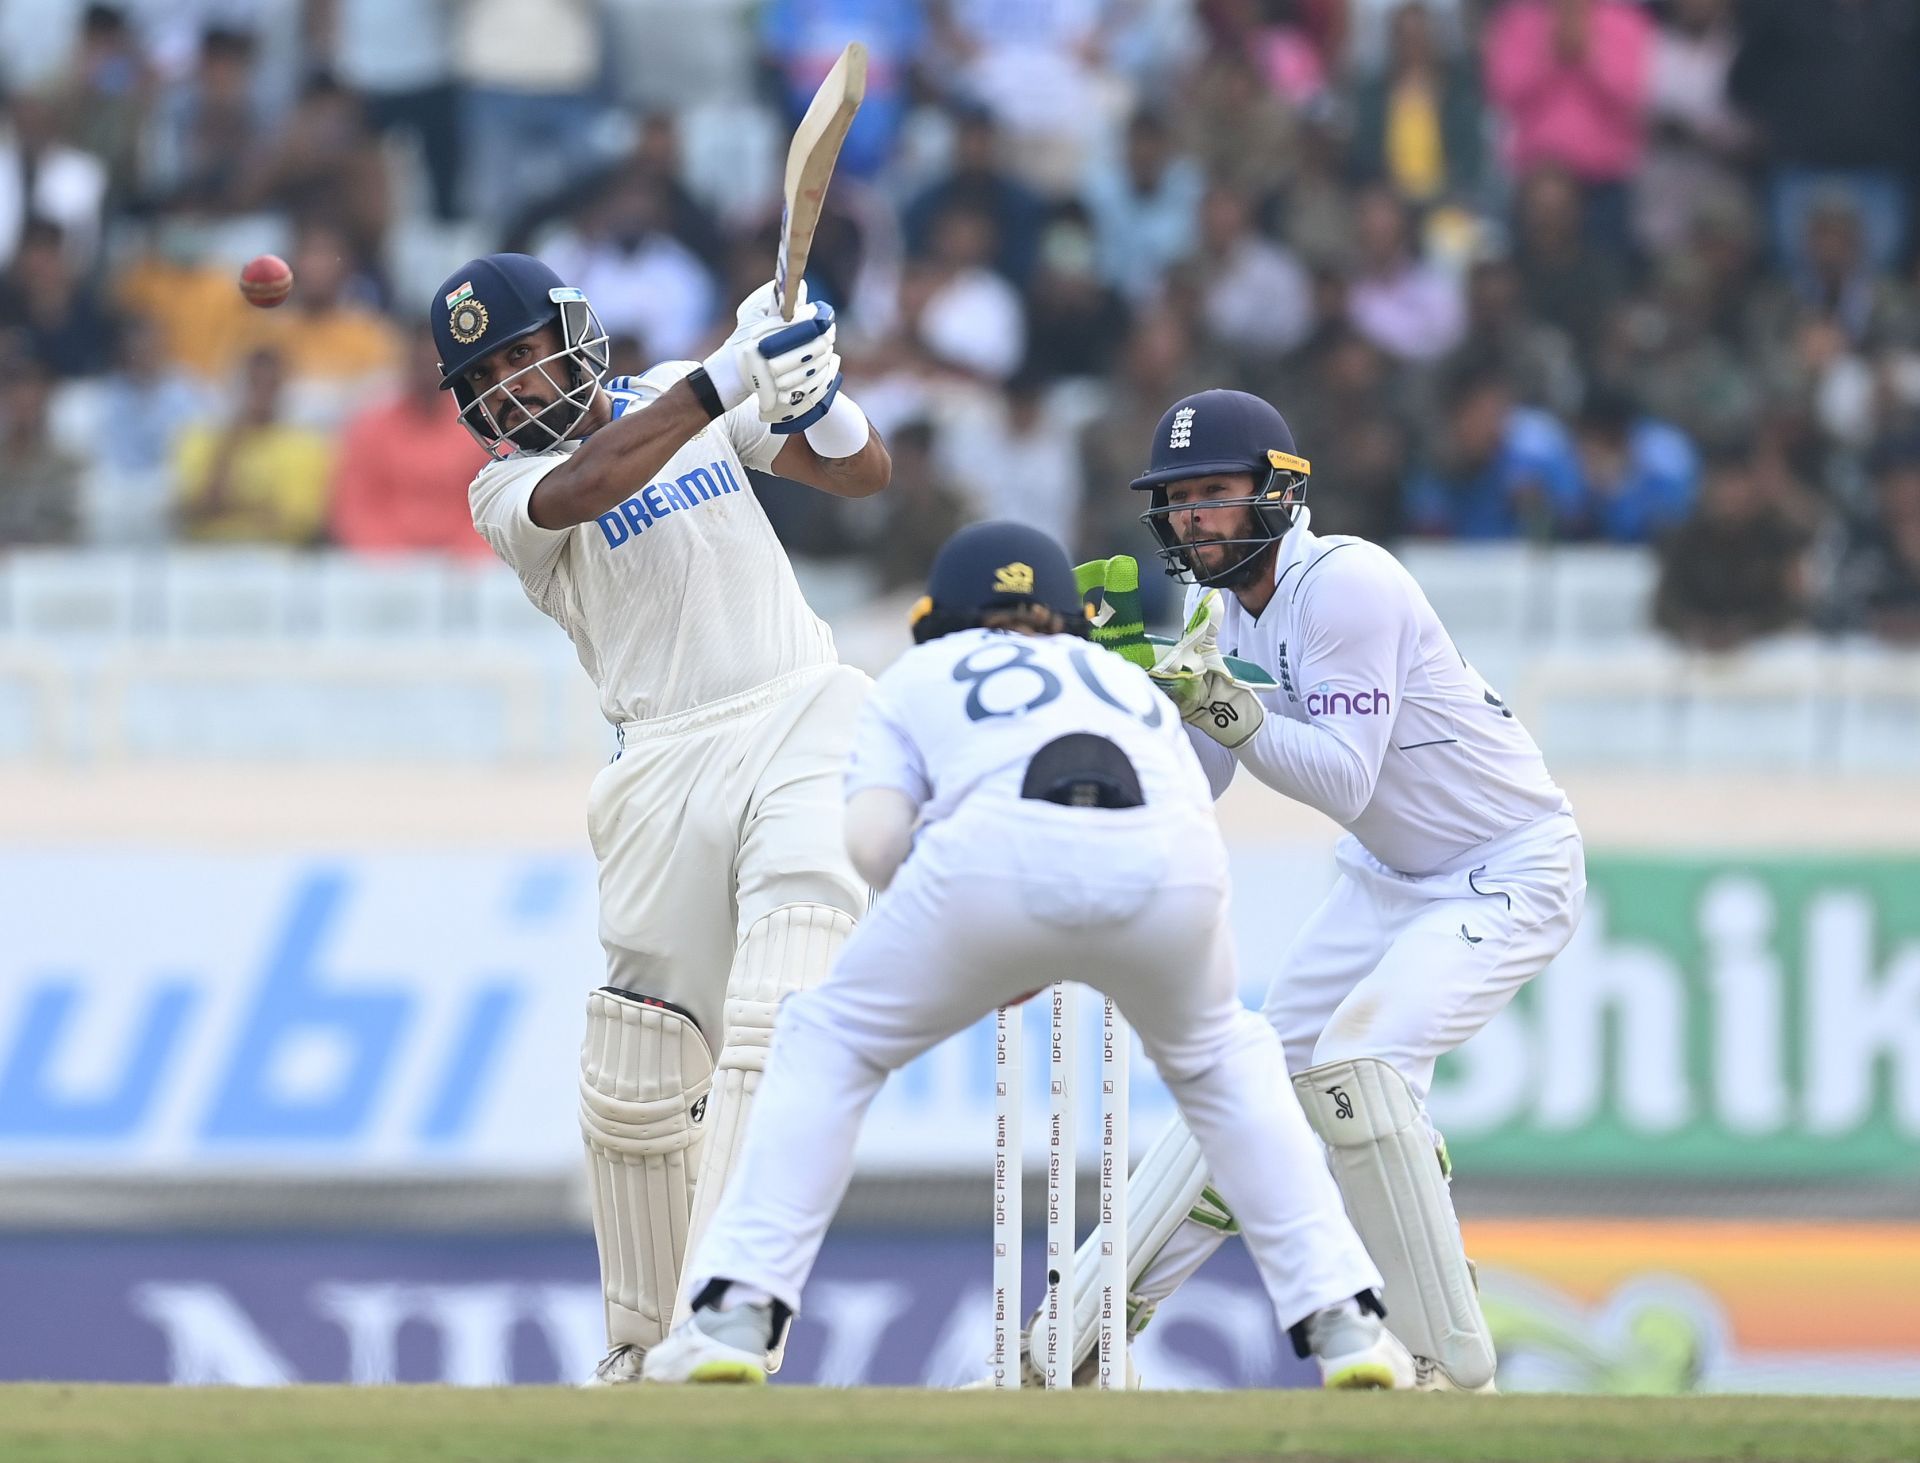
656,500
1323,700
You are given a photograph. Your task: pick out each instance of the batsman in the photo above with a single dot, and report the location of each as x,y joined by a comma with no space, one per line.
1460,876
624,507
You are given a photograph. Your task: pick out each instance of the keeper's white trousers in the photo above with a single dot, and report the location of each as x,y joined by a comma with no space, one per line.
1000,900
1406,967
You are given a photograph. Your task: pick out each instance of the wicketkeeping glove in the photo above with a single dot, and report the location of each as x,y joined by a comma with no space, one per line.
1118,623
1195,677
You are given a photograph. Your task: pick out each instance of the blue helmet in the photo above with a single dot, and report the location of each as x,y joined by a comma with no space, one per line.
1220,432
991,566
486,305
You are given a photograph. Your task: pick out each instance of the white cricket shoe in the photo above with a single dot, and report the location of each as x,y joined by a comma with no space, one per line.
618,1367
1355,1351
715,1347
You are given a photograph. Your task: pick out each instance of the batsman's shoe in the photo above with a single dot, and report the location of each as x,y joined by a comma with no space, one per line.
618,1367
1354,1350
715,1347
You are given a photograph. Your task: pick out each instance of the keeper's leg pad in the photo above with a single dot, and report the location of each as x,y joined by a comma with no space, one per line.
1174,1222
788,950
644,1075
1391,1177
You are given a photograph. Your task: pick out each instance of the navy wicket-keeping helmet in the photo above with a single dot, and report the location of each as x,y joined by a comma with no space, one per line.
486,305
991,566
1218,432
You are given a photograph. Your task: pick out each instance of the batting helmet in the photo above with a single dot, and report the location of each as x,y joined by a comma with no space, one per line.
1219,432
485,306
991,566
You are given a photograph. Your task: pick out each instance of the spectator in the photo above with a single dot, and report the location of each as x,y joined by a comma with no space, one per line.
105,97
642,281
405,462
1500,470
1637,474
529,108
257,478
1569,80
978,181
1830,86
969,318
1256,301
128,426
1536,359
1239,131
1076,325
920,508
1355,437
1570,283
1317,220
1145,207
1670,354
1697,137
210,133
399,59
802,40
40,488
1736,570
202,319
1036,65
1159,365
1877,589
1369,30
1418,118
1015,462
1407,308
335,351
42,177
325,159
1834,279
65,323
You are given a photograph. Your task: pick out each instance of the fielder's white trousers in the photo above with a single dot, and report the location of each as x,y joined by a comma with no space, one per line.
1003,899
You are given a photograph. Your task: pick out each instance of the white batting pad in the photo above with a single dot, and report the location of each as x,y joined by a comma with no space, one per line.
1390,1176
789,950
644,1074
1167,1189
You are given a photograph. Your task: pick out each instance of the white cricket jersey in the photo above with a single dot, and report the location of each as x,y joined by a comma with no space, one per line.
960,717
1378,720
679,596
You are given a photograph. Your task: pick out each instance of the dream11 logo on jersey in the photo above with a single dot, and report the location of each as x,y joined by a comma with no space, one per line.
1323,700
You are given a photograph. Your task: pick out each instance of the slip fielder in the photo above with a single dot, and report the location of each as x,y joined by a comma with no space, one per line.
1032,811
623,505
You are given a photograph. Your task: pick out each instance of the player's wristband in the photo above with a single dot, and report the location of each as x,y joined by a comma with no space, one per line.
704,392
842,432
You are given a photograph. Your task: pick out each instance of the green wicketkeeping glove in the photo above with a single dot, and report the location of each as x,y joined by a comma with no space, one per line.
1118,624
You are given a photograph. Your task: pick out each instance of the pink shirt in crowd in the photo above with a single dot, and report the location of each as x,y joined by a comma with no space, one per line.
1589,115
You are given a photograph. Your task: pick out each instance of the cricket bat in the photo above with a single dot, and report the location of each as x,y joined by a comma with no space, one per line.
810,158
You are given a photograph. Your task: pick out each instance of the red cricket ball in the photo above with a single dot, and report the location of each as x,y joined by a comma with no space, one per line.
266,281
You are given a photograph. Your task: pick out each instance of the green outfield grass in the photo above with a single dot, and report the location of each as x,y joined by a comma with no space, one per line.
39,1424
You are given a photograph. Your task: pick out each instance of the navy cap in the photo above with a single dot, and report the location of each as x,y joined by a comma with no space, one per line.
1219,432
989,565
487,303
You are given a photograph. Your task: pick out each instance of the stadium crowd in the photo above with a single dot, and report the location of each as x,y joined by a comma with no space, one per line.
1553,270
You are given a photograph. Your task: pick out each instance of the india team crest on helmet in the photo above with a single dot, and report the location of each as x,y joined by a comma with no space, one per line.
1181,434
469,321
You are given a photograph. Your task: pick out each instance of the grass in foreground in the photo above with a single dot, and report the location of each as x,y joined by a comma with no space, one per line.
41,1424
